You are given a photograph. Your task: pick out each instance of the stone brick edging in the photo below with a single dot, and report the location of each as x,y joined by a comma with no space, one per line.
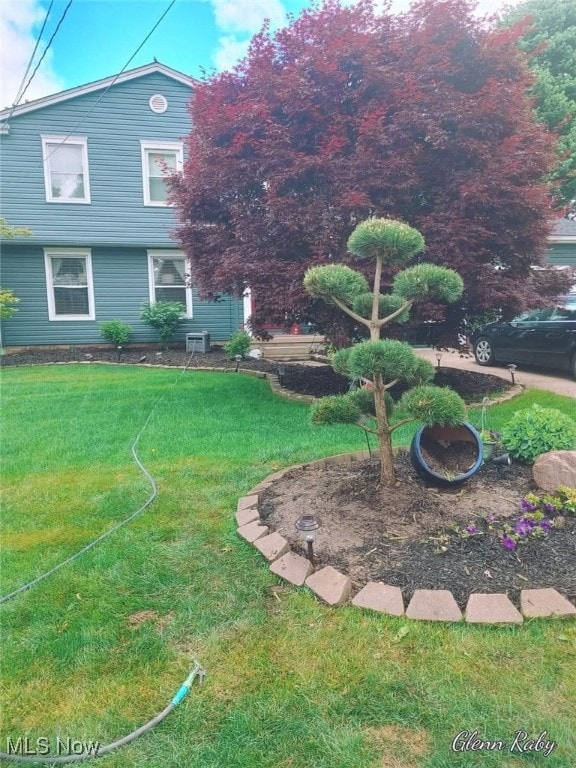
336,588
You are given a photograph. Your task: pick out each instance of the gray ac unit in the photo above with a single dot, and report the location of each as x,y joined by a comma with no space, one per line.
198,342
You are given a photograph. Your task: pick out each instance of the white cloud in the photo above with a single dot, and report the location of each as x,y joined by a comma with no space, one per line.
230,50
20,23
238,20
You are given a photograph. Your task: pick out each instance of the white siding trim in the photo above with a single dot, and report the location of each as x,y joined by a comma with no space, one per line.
169,254
81,141
147,146
55,253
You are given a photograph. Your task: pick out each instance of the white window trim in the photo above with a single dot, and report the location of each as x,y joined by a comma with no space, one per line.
158,146
158,254
81,141
63,253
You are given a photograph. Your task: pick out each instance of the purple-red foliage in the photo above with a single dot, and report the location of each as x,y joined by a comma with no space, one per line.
344,114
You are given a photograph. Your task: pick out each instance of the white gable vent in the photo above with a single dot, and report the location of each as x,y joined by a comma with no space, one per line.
158,103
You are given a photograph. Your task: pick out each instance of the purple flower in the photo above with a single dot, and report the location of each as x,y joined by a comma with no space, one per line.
471,529
527,506
508,542
549,507
523,527
546,524
490,517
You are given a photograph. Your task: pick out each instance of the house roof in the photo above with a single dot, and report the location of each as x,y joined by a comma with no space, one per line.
564,230
97,85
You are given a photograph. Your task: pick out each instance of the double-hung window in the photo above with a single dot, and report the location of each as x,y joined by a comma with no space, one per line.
159,159
169,279
69,284
66,175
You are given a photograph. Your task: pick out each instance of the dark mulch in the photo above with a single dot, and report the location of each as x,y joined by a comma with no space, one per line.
303,379
405,536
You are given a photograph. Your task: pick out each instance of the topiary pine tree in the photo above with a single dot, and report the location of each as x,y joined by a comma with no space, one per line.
385,362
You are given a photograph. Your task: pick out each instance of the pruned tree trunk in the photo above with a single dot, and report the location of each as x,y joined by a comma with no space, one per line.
387,473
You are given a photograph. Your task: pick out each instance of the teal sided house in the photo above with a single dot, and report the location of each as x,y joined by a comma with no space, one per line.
83,171
563,243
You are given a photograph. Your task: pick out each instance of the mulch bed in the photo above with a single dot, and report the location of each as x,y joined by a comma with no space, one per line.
303,379
402,536
405,535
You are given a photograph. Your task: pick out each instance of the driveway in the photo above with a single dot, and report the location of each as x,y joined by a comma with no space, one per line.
560,382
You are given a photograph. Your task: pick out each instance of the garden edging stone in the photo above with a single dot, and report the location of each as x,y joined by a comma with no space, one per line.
336,588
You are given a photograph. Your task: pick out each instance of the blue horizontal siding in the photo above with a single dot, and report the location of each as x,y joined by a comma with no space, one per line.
114,129
562,254
120,288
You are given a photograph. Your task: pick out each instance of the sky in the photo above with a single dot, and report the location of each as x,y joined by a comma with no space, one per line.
96,38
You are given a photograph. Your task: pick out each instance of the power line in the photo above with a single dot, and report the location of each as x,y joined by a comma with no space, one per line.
46,49
19,93
93,107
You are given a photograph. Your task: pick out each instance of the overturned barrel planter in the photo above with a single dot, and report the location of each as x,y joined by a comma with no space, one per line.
447,456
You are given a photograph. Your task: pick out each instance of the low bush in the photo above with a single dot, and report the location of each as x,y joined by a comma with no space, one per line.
538,430
239,344
115,332
164,317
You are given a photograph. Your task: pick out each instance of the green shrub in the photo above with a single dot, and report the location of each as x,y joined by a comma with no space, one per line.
537,430
116,332
239,344
164,317
335,409
7,298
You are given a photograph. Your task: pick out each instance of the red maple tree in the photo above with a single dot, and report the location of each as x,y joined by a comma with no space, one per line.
346,114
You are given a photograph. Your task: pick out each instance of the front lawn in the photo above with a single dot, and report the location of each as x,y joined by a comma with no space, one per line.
101,646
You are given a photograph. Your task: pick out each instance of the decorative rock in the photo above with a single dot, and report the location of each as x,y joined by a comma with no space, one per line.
537,603
433,605
380,597
491,609
555,468
253,531
272,546
292,568
330,585
245,516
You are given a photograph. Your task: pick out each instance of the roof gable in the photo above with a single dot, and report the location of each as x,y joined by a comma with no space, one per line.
97,85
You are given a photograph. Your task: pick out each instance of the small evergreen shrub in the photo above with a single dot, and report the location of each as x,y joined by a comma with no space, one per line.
115,332
537,430
239,344
164,317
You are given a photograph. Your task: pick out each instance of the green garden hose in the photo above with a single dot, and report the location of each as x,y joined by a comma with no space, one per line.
101,750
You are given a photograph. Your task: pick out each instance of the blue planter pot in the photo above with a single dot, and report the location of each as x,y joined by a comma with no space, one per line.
437,438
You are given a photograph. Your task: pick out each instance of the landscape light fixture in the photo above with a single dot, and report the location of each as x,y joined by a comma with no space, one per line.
438,358
503,460
512,368
307,525
237,358
119,351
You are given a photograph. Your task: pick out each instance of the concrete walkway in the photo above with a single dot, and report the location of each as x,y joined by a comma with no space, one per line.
560,382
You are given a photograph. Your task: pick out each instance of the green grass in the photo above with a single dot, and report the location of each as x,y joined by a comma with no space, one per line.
291,682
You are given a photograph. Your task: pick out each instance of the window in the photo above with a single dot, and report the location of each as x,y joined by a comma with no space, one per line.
169,279
66,169
159,159
69,284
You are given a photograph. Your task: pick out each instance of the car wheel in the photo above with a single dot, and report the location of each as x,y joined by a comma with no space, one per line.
483,351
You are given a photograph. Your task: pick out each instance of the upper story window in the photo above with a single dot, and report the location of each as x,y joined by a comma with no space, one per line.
159,159
169,280
66,169
69,284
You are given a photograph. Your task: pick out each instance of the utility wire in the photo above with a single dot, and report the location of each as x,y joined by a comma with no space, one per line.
93,107
46,49
19,93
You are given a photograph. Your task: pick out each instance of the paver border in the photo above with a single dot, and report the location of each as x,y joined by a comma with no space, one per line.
434,602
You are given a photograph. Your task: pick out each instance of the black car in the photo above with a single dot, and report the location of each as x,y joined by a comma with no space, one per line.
543,337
